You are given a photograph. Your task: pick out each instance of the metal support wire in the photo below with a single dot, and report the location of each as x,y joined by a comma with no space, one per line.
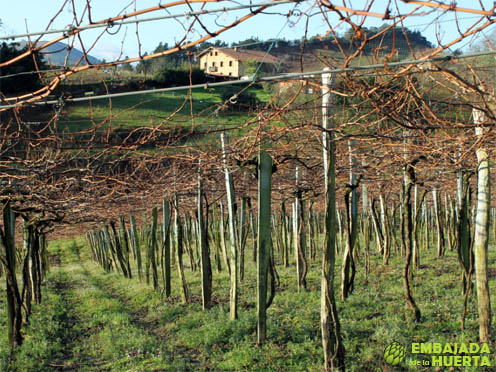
280,77
72,29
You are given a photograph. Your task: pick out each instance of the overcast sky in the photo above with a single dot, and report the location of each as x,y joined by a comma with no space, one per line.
35,15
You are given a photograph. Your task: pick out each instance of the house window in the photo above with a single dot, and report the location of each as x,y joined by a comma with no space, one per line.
221,64
230,74
211,54
205,64
230,63
213,63
215,53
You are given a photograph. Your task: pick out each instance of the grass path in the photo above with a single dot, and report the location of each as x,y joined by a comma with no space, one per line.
87,324
67,321
92,321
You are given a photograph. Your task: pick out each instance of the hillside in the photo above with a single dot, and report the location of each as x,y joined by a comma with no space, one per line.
400,39
56,54
311,52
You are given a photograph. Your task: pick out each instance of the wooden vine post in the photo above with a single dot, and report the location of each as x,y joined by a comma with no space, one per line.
166,256
264,241
205,265
408,238
14,300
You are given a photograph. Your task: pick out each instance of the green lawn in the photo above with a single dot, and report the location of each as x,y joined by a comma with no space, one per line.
93,321
170,110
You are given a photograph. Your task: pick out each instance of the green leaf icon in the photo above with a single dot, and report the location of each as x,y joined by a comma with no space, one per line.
394,353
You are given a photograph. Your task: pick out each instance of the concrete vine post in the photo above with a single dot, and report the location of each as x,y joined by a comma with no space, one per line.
481,237
233,259
334,351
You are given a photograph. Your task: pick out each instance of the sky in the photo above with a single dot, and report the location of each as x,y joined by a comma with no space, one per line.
35,15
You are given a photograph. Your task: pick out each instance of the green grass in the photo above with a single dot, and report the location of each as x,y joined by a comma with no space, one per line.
188,120
93,321
170,110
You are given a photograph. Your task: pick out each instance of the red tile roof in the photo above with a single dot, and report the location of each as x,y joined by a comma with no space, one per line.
245,55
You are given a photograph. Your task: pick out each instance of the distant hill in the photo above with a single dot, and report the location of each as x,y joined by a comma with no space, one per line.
56,54
402,39
290,51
